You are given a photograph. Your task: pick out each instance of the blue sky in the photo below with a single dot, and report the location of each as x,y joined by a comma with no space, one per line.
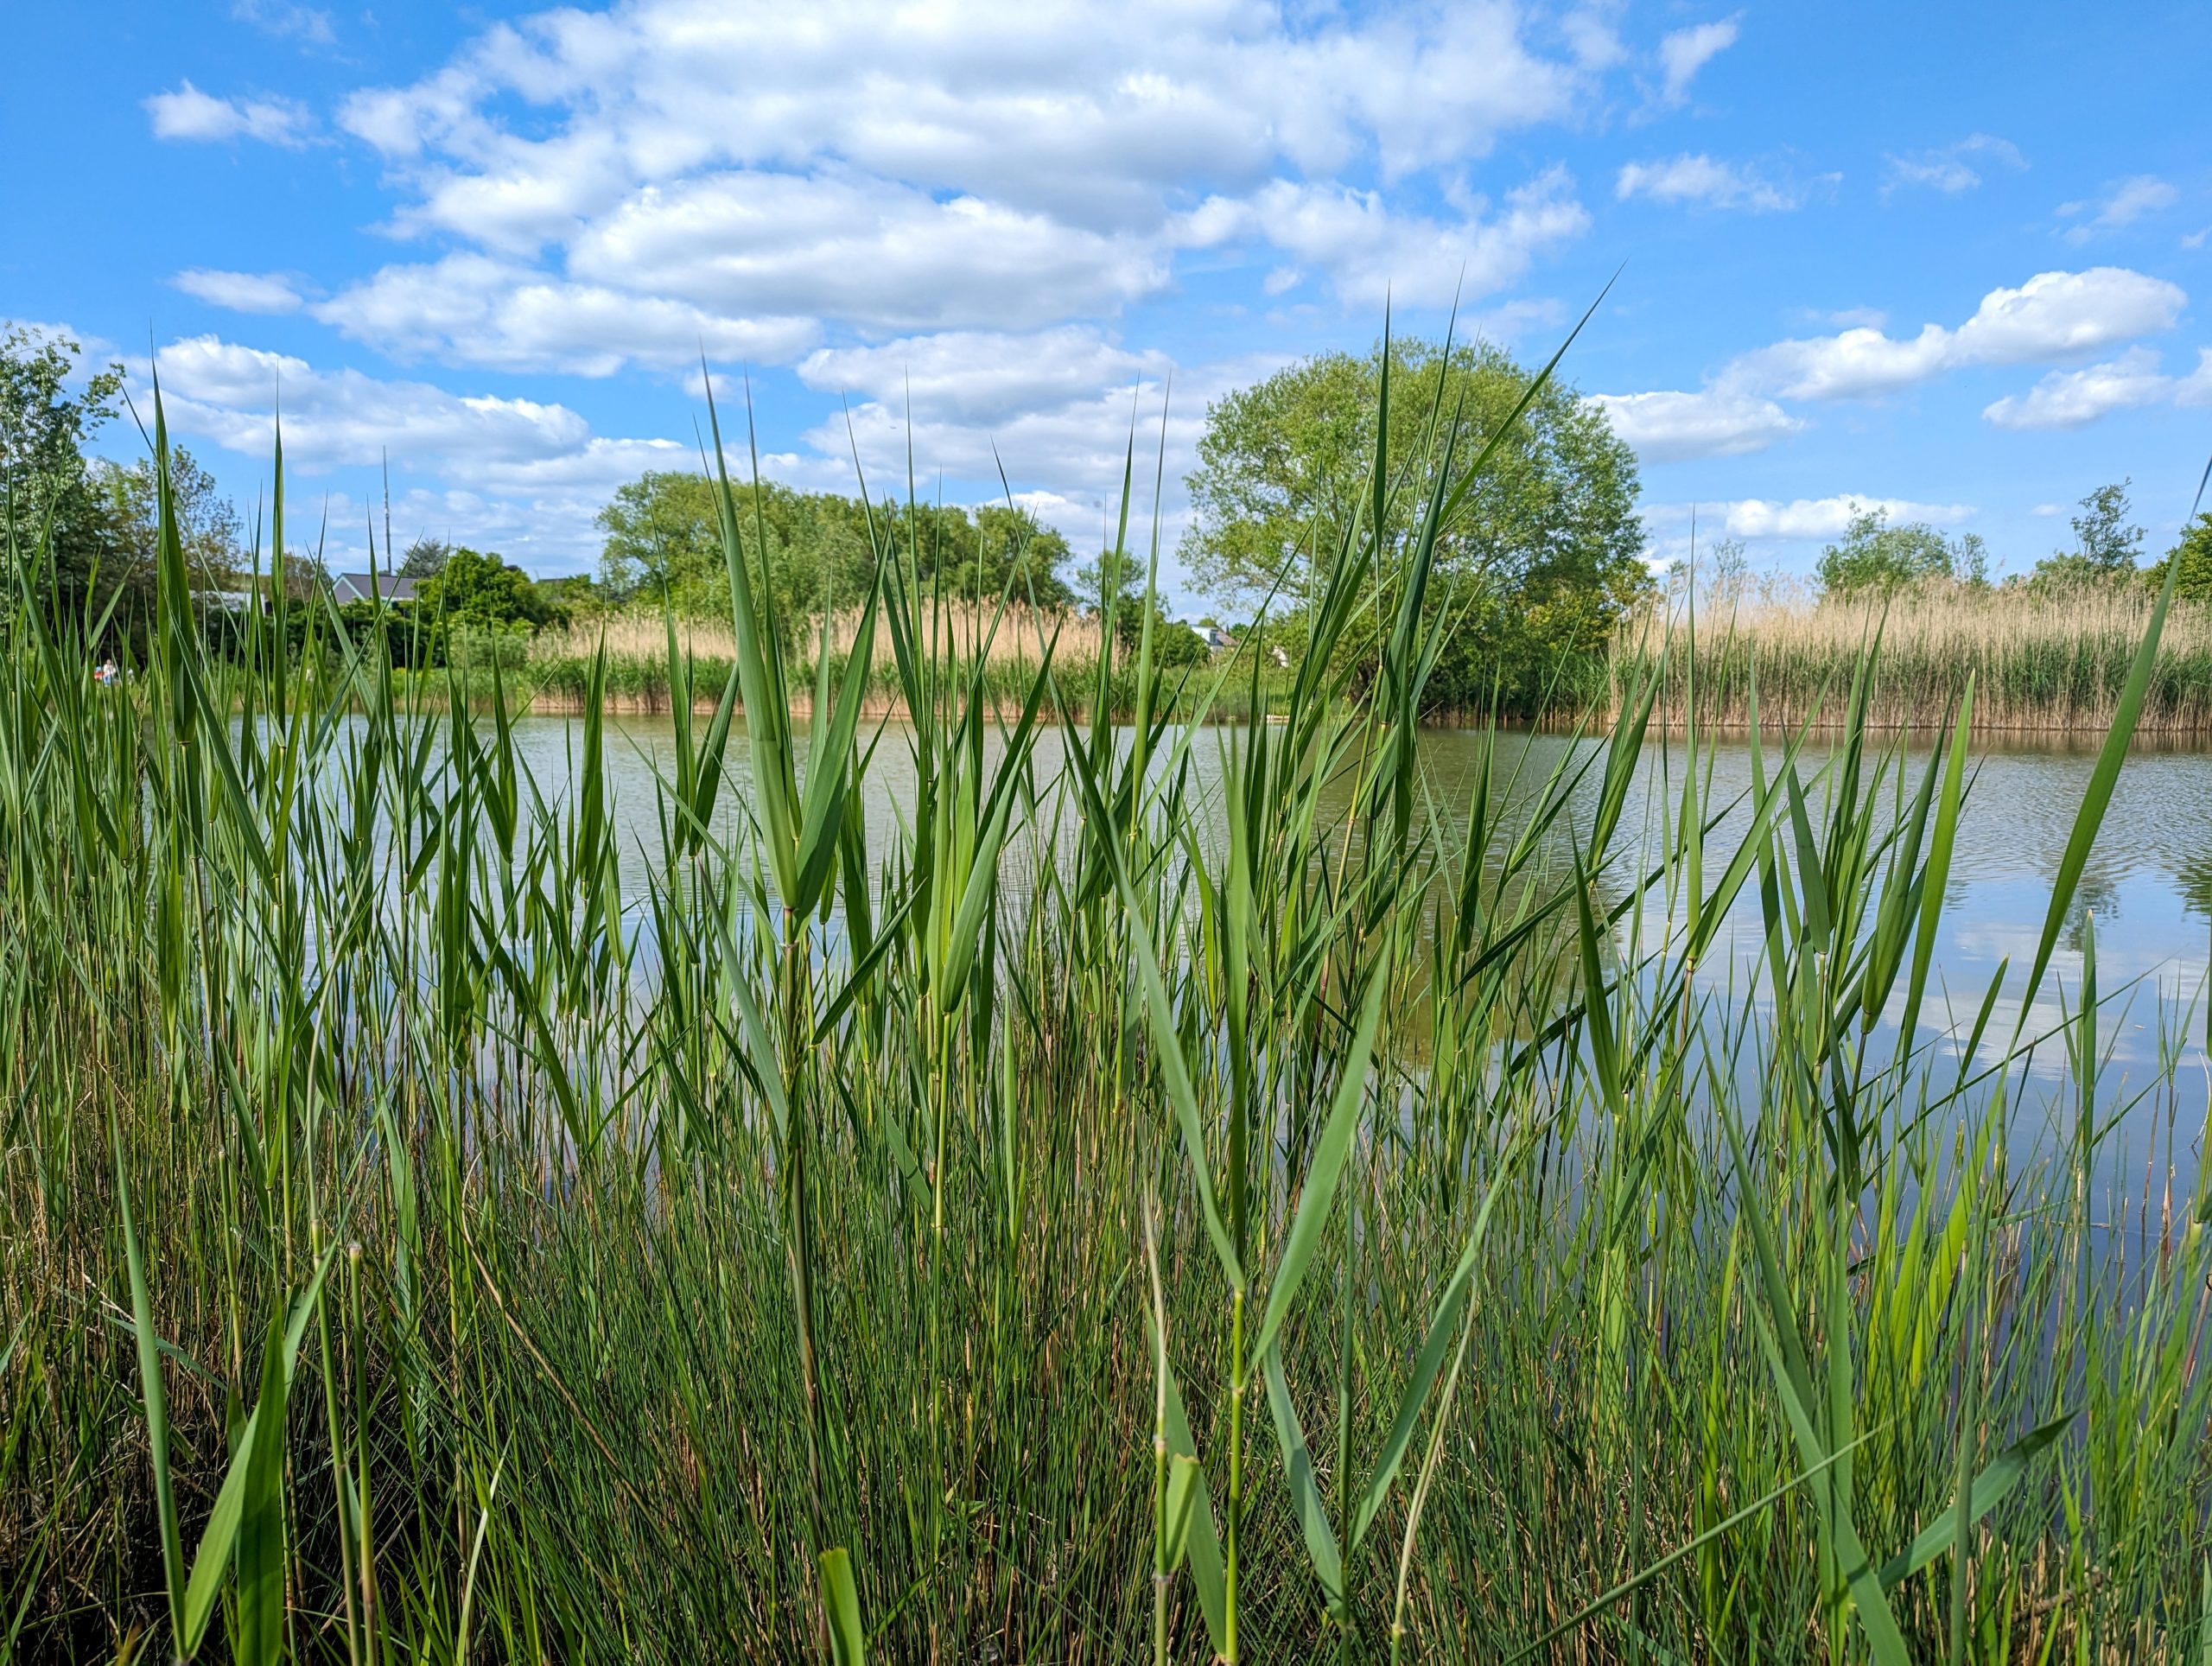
1944,258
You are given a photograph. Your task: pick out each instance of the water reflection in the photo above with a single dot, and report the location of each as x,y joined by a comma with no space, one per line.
2148,885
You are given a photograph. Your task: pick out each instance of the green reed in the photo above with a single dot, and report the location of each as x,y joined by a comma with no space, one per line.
1199,1194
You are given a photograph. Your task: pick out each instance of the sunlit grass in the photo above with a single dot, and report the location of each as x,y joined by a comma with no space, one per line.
2041,663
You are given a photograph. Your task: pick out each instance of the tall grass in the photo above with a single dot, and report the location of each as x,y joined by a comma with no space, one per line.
2039,664
557,666
1371,1229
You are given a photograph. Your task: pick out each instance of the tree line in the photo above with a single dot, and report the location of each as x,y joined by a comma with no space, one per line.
1876,558
1540,557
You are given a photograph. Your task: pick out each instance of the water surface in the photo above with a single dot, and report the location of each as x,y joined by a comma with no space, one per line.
2146,892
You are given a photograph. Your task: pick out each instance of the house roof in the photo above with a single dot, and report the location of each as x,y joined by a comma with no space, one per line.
366,587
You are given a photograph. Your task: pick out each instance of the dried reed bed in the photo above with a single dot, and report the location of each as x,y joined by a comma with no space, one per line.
2040,665
639,673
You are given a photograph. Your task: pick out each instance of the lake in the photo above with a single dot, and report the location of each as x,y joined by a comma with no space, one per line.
2148,883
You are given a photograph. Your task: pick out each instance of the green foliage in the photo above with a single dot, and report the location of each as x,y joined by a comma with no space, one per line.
2105,539
424,558
2106,547
574,597
2192,553
664,538
1875,558
206,523
482,593
48,501
412,638
716,1225
1533,567
1174,644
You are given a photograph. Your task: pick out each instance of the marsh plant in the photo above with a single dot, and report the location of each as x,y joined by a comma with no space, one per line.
1256,1211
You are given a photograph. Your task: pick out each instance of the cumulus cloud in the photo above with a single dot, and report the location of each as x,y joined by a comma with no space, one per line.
1955,167
1372,254
2077,397
867,252
2124,202
1683,52
518,475
981,377
1091,107
1826,518
472,309
1666,428
2051,315
890,172
190,114
1700,180
232,394
1056,408
246,292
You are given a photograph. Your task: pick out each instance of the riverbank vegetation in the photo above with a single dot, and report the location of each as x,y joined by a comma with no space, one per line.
2040,663
1389,1230
1538,600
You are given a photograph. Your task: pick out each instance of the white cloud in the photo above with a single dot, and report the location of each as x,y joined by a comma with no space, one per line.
472,309
2124,202
309,25
1591,37
868,252
2046,509
2050,316
234,394
2077,397
1700,180
1672,427
1684,52
1373,254
246,292
1088,105
514,474
981,377
188,113
1823,518
1007,167
1955,167
1058,409
2072,398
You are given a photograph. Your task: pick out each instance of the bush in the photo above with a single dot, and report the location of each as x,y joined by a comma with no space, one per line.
2194,553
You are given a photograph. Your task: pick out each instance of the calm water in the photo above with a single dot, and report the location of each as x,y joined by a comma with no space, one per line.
2148,884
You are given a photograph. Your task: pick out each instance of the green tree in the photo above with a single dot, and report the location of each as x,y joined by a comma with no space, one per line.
1173,643
575,595
48,501
664,537
474,591
2106,541
425,558
207,523
2106,546
1874,557
2194,553
1537,562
